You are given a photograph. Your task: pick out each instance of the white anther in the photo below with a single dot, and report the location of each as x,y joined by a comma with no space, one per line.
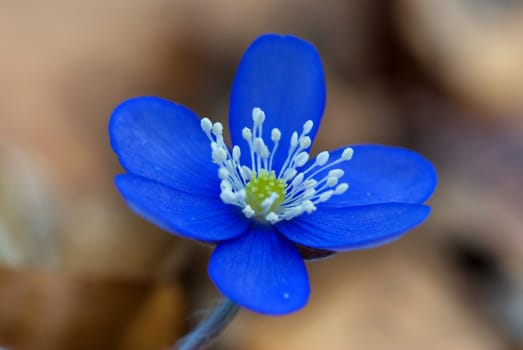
289,174
341,188
227,196
294,139
272,218
322,158
325,196
305,142
336,173
240,196
310,183
236,153
275,135
225,185
248,212
258,116
246,134
206,125
347,153
246,172
223,173
265,152
332,181
217,129
258,145
309,192
307,127
219,155
309,207
297,179
301,159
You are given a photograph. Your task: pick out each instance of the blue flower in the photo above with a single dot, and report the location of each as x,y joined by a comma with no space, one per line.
264,200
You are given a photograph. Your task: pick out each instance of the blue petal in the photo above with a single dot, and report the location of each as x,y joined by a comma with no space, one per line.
383,174
282,75
261,271
162,141
192,216
353,227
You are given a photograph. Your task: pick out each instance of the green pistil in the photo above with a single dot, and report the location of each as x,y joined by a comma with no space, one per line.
261,187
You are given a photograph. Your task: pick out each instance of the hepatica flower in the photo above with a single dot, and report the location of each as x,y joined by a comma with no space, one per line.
264,201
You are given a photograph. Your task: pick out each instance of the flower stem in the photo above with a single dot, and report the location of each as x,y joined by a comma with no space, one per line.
209,328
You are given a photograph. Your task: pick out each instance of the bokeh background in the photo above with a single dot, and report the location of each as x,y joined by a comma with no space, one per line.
80,271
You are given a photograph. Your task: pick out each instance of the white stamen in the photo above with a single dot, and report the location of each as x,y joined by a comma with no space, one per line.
294,139
217,129
240,196
246,172
305,142
225,185
325,196
305,187
309,207
246,133
341,188
322,158
206,125
307,127
265,152
336,173
219,155
332,181
248,212
310,192
276,135
258,145
227,196
289,174
301,159
236,153
297,179
223,173
258,116
310,183
347,153
272,218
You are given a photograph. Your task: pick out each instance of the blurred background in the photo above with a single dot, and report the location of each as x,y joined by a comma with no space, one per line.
443,77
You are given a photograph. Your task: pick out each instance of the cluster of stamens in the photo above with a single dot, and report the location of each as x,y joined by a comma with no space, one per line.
270,194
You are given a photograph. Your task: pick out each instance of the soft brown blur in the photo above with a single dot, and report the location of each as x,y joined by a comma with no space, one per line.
80,271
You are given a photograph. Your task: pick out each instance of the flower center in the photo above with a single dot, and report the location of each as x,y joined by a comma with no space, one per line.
274,194
264,192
